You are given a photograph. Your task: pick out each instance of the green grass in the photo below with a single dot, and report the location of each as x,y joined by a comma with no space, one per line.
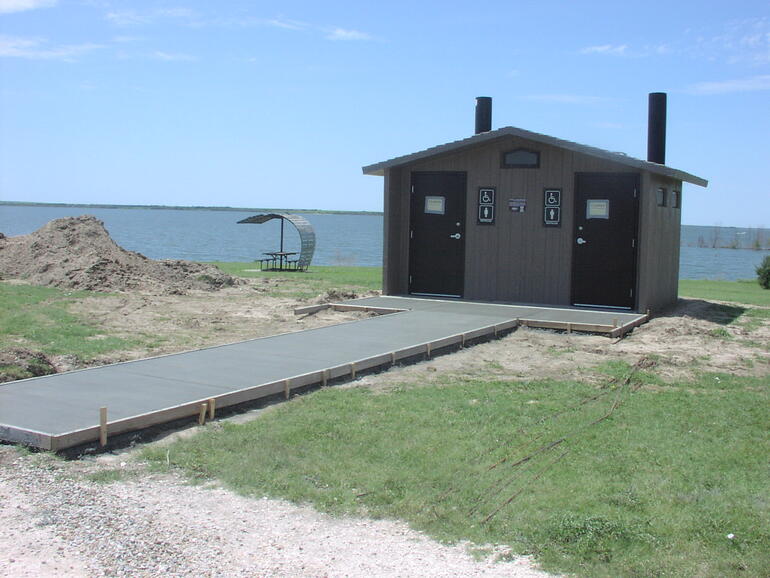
653,489
315,281
747,292
38,318
107,476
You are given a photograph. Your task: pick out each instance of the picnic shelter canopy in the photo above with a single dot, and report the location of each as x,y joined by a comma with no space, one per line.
304,228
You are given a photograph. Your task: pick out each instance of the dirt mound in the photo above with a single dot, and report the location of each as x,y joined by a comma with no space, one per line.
78,253
337,295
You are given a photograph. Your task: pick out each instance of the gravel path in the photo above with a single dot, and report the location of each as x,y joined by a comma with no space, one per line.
55,521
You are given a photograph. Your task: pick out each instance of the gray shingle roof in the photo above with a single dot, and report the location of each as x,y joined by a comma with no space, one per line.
477,139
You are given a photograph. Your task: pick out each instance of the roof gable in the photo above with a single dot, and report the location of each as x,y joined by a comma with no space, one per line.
620,158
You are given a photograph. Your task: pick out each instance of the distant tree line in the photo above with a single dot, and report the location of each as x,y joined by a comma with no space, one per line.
757,239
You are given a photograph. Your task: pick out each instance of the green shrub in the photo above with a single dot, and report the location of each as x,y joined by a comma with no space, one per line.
763,273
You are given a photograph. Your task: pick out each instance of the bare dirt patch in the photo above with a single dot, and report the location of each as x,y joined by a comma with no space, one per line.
164,324
24,363
692,338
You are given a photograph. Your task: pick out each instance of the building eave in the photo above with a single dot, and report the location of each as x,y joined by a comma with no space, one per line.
379,169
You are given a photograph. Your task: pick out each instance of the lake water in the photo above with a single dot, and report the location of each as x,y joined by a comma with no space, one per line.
355,240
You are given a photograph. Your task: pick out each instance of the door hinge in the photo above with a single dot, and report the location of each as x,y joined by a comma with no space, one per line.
412,189
635,193
633,243
410,280
630,292
411,234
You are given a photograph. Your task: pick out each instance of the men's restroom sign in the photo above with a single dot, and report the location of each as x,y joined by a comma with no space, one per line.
486,206
552,207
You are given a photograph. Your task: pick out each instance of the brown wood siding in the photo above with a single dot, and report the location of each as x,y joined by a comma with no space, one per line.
518,259
395,234
659,230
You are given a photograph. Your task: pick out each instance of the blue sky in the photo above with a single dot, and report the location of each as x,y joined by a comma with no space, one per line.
279,104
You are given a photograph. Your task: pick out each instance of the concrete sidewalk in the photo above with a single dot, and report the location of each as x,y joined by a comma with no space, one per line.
63,410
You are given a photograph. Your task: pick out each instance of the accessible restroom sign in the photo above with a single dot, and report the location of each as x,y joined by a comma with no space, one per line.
486,206
552,208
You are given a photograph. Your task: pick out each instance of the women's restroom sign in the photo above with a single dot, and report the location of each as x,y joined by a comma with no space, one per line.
486,206
552,208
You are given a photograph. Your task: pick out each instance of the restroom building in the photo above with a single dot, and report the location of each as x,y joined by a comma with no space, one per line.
515,216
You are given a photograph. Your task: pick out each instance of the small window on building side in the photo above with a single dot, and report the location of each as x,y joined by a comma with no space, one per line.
661,196
521,159
676,199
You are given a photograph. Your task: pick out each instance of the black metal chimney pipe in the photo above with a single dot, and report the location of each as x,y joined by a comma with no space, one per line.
656,128
483,114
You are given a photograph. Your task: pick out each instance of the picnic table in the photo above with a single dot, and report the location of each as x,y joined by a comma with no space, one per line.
278,259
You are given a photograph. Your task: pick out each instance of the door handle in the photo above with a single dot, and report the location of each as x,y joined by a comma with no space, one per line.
581,241
455,236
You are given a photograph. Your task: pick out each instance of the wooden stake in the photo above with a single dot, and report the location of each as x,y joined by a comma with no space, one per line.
393,358
569,327
427,350
286,388
202,413
462,343
325,377
615,322
212,407
352,371
102,426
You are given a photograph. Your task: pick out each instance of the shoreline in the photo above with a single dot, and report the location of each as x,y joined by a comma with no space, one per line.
187,208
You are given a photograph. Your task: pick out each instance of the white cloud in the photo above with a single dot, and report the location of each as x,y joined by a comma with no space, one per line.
172,56
343,34
567,98
40,49
752,84
178,15
605,49
629,51
126,39
286,24
9,6
738,41
126,18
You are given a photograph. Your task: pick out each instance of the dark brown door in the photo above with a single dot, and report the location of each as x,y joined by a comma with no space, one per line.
437,234
604,241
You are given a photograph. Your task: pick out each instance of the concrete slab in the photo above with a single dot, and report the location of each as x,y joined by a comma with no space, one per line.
58,411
